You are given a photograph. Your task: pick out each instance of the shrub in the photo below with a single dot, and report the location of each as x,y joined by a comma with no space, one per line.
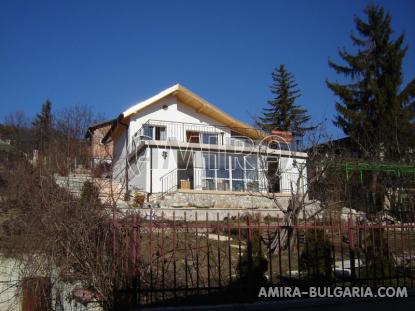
138,199
90,194
317,258
253,265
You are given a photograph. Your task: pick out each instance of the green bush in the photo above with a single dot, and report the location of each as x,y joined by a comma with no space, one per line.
253,264
378,257
90,195
316,258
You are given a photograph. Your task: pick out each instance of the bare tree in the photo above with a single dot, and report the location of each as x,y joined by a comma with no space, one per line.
17,119
69,147
303,203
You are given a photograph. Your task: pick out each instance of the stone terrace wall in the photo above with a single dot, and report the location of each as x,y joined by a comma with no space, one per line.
217,199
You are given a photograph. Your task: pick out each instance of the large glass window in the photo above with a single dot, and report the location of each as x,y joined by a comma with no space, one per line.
209,160
216,172
238,175
222,166
238,185
251,173
229,172
209,184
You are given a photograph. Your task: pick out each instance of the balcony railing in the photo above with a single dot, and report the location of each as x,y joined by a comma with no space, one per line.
199,133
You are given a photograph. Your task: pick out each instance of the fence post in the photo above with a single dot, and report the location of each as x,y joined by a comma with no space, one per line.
114,276
135,285
352,251
249,253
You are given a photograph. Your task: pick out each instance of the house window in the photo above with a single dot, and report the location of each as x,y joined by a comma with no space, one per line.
209,184
192,137
251,173
222,172
209,138
147,132
238,185
229,172
216,172
160,133
204,138
154,132
244,173
238,175
209,172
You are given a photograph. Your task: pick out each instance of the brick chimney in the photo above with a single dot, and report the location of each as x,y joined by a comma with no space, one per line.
285,136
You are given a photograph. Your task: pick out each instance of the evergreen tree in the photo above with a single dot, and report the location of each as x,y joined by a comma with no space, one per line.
252,266
282,113
43,127
375,111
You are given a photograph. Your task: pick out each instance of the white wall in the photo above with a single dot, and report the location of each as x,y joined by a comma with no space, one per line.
291,170
11,293
138,171
9,281
119,156
162,166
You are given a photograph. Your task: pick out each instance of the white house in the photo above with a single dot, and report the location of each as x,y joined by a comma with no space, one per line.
177,140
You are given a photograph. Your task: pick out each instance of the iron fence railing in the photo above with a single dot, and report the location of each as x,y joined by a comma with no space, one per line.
171,261
169,182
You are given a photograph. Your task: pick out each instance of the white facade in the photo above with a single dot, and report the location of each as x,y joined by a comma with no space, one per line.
168,145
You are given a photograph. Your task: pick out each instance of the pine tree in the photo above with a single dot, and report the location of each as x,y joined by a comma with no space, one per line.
43,127
282,113
375,111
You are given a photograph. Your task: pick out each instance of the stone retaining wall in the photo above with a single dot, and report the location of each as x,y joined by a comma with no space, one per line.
220,200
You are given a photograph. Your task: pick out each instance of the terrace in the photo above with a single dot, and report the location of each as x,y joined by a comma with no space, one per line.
204,134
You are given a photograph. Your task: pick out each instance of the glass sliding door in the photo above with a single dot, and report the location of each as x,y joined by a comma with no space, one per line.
251,173
226,172
216,172
238,174
222,172
209,174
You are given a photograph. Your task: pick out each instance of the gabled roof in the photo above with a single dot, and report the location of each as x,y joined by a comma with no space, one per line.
190,99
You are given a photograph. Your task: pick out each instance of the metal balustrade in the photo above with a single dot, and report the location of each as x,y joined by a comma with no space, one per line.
170,131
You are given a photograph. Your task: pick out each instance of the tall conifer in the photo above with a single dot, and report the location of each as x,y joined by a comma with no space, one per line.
42,125
282,112
375,110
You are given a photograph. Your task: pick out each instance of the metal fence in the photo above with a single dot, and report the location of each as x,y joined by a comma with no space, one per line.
177,261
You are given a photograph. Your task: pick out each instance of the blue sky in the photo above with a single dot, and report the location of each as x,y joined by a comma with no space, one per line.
112,54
